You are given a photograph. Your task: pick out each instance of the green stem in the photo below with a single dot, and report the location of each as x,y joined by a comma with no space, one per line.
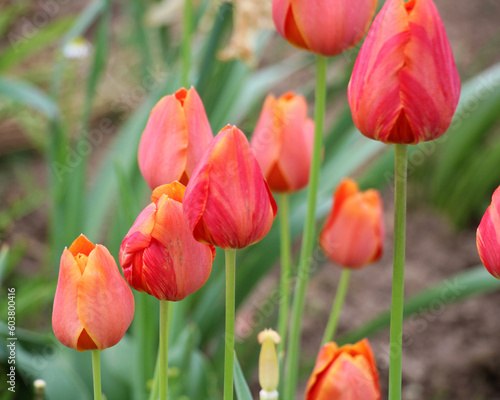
337,306
229,337
96,371
396,334
164,306
284,309
186,42
309,235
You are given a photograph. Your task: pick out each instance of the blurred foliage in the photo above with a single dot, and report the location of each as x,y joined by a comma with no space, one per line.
85,118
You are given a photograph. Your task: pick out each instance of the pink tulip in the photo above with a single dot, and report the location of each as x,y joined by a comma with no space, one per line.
488,236
159,255
228,202
405,86
93,305
282,142
176,135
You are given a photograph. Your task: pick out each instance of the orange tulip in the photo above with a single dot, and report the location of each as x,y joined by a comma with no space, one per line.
93,305
282,142
488,236
326,27
159,255
353,235
345,373
176,135
228,202
405,86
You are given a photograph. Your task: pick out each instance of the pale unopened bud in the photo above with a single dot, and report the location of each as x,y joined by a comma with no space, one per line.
39,386
268,362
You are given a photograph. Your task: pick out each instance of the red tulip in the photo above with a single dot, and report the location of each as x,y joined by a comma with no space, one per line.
282,142
345,373
353,235
488,236
228,202
93,305
159,255
326,27
405,86
175,138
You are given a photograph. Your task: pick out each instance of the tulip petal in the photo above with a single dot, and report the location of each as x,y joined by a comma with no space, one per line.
266,139
488,237
346,188
188,267
197,203
81,246
166,133
199,130
65,322
174,191
286,24
105,302
297,140
329,29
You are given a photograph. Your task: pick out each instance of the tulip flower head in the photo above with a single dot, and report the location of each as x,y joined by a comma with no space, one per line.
93,305
345,373
405,86
282,142
159,255
176,135
353,235
326,27
227,201
488,236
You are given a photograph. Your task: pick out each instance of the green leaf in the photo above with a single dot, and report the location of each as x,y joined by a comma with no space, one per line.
4,253
240,384
29,95
38,39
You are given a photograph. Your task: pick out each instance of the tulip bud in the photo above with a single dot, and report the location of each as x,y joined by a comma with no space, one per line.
93,305
282,142
344,373
176,135
228,202
353,235
269,371
405,86
159,255
326,27
488,236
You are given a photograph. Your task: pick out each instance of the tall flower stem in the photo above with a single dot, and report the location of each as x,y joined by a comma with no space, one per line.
96,371
229,337
284,309
337,306
186,41
308,241
396,334
163,366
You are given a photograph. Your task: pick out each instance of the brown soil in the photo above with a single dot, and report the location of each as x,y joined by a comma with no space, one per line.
452,352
